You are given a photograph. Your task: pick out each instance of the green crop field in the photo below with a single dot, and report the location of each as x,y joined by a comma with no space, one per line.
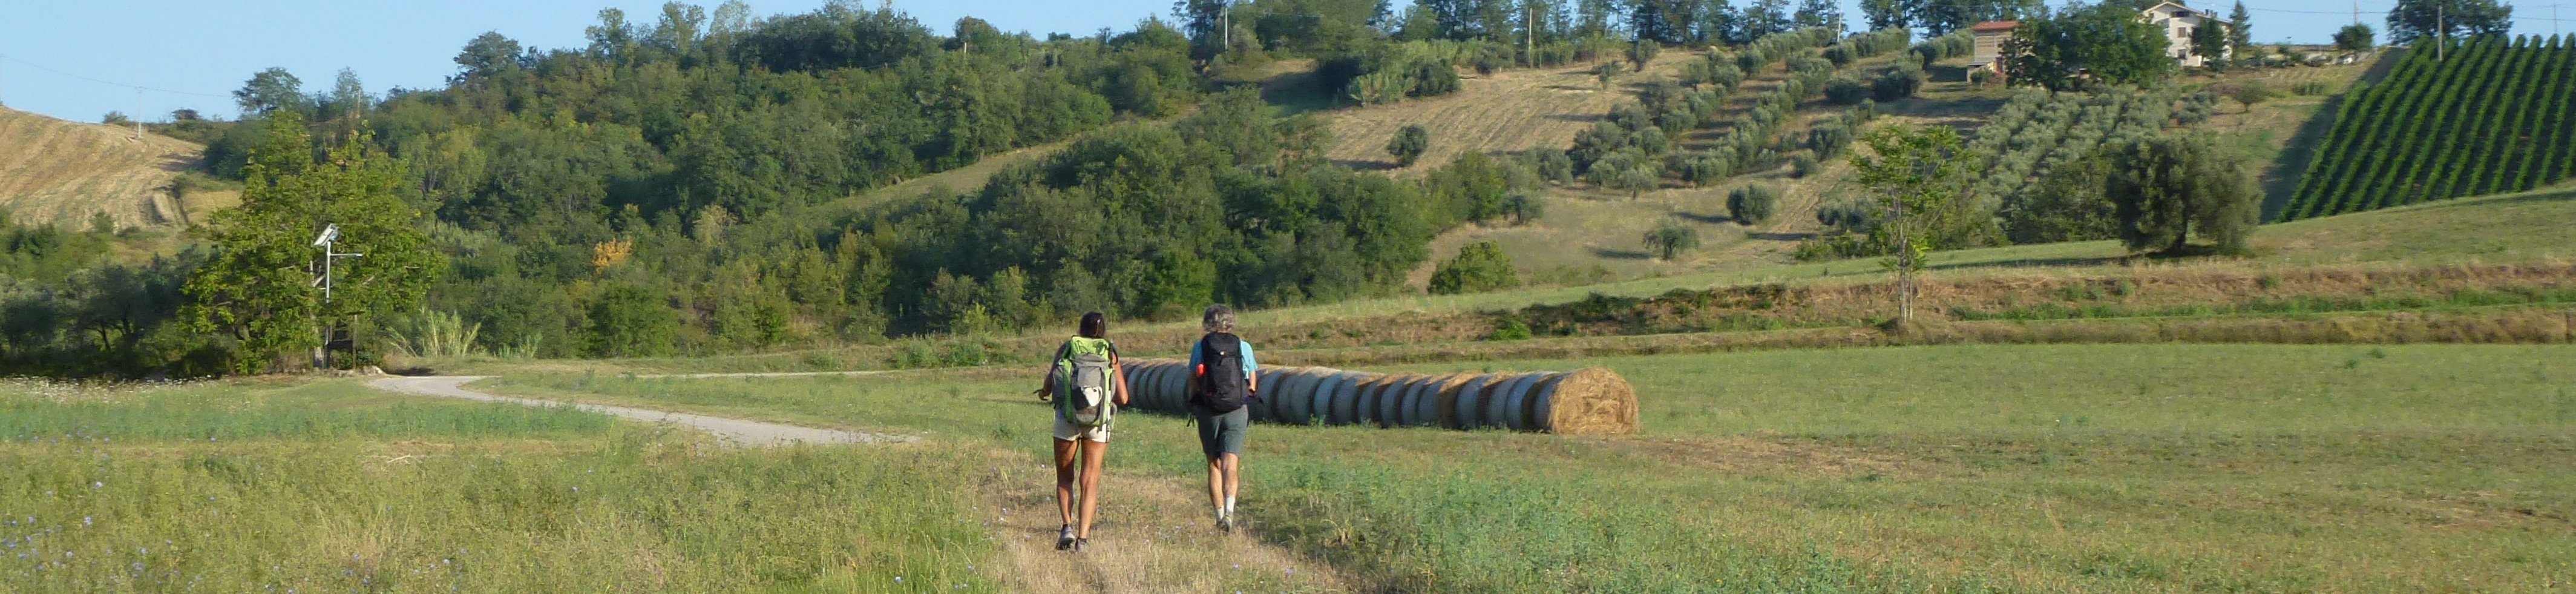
2098,468
2494,116
255,486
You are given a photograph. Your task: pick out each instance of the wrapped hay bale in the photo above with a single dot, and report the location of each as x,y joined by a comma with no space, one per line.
1164,383
1297,383
1499,400
1379,410
1590,401
1400,413
1312,404
1285,406
1427,412
1460,412
1516,408
1364,402
1266,406
1335,407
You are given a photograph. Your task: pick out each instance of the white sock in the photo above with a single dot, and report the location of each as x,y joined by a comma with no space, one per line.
1229,506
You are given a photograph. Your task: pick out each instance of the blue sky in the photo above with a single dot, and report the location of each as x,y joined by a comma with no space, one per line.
192,53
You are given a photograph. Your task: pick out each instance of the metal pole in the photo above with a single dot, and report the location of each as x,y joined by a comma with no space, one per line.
138,113
2441,32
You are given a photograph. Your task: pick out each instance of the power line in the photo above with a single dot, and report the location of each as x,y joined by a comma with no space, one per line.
109,82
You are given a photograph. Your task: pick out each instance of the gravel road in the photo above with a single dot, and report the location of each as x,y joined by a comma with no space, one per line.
737,431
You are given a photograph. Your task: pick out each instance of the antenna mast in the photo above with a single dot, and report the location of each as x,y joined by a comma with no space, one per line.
138,113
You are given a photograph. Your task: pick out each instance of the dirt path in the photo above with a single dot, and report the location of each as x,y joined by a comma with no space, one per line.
1150,535
737,431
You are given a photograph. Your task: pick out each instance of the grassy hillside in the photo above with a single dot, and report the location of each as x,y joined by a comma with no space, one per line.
54,170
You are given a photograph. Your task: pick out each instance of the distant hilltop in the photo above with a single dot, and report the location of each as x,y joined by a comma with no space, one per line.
67,172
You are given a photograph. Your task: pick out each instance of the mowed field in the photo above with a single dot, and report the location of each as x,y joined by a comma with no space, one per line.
57,171
2094,468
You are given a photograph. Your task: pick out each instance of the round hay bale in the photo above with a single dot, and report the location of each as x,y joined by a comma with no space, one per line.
1313,383
1291,406
1380,410
1295,383
1516,407
1266,385
1317,401
1427,412
1390,409
1158,386
1408,412
1331,405
1332,388
1590,401
1364,402
1459,412
1531,419
1497,400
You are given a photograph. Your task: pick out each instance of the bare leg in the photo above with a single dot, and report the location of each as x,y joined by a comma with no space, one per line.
1216,482
1064,469
1093,452
1233,475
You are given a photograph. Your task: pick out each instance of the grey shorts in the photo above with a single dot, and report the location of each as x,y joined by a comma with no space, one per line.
1222,434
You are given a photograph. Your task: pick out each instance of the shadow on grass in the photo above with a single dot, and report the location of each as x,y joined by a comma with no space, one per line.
1620,254
2066,262
1768,236
1712,219
1364,165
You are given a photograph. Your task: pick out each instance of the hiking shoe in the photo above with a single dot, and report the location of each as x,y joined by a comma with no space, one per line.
1064,540
1081,543
1224,521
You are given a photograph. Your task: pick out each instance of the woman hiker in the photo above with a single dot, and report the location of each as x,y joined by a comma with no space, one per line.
1085,384
1224,370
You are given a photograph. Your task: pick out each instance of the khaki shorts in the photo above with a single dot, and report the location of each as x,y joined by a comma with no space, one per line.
1065,430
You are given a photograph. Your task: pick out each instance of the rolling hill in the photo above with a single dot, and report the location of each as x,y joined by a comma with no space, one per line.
66,172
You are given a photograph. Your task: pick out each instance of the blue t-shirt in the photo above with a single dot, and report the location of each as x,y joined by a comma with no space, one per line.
1248,365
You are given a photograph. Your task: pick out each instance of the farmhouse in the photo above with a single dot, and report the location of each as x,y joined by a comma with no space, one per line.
2177,22
1990,36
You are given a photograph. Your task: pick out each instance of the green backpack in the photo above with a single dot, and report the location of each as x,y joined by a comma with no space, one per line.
1085,384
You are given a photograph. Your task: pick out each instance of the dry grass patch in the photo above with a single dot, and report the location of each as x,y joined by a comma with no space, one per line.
59,171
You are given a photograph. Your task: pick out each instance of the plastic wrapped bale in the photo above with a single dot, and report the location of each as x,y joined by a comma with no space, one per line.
1266,387
1590,401
1516,409
1285,407
1460,412
1400,412
1312,403
1497,400
1296,389
1170,388
1333,387
1387,409
1426,413
1347,408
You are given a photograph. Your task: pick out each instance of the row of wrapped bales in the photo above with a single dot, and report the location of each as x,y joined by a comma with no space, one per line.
1591,401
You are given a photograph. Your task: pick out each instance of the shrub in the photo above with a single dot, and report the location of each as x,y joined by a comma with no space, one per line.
1643,51
1408,145
1509,328
1478,267
1752,204
1829,138
1897,82
1671,238
1841,55
1804,164
1524,207
1843,90
1553,165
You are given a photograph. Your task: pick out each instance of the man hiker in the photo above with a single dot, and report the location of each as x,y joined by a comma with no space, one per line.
1224,381
1087,388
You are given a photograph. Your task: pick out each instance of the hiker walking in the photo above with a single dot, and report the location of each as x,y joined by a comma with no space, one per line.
1222,363
1087,389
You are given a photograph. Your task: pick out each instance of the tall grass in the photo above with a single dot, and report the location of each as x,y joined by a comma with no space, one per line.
322,499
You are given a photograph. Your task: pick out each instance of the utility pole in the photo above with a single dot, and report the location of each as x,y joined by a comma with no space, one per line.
4,62
2441,32
328,240
1529,33
138,113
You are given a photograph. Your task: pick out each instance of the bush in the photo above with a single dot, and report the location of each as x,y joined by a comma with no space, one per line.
1829,138
1896,82
1479,267
1804,164
1843,90
1671,238
1553,165
1509,328
1841,55
1752,204
1524,207
1643,51
1409,144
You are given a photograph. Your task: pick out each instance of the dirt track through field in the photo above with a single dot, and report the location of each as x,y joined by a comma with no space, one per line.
736,431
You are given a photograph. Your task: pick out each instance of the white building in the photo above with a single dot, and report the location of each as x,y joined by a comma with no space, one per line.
2177,22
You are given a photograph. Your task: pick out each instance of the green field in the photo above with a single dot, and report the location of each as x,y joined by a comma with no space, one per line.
2118,468
255,486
